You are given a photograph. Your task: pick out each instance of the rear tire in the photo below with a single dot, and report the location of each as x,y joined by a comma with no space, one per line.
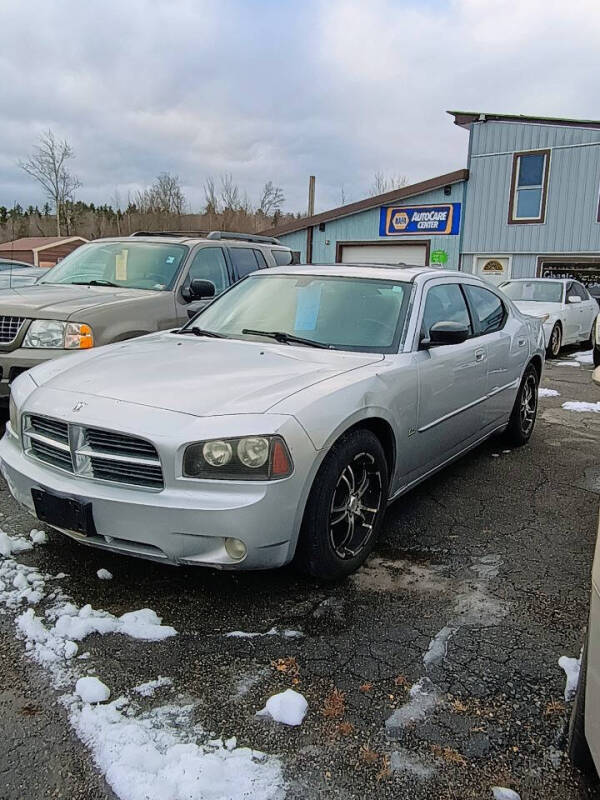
345,507
555,342
524,413
596,356
577,746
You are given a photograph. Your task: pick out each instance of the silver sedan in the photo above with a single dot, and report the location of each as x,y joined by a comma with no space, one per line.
277,424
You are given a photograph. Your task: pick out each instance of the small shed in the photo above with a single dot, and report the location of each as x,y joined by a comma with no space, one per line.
41,251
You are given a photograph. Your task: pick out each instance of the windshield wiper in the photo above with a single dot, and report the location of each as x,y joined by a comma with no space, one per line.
95,282
201,332
287,338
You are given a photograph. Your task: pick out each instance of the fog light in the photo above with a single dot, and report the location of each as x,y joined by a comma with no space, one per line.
235,548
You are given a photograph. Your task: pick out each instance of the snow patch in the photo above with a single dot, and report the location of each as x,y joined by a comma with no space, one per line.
12,544
289,707
581,406
155,756
38,537
571,667
584,357
564,363
104,574
92,690
287,634
423,696
402,760
149,688
501,793
77,623
548,393
438,646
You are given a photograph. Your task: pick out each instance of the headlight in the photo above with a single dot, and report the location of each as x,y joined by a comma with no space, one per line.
57,335
13,416
249,458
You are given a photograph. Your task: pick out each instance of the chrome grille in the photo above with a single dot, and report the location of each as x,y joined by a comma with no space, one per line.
9,328
92,452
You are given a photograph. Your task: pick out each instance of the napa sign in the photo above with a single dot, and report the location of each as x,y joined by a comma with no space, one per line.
422,220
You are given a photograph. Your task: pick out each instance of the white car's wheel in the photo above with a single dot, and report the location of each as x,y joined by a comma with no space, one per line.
555,342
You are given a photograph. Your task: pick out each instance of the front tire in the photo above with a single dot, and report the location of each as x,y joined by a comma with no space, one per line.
345,507
555,342
524,413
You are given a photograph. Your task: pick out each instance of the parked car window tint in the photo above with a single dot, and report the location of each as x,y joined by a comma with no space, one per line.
580,291
243,260
209,264
260,259
537,291
129,264
345,313
489,310
445,303
282,257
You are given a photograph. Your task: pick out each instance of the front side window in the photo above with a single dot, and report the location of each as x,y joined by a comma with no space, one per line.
488,309
209,265
537,291
445,303
529,186
362,314
127,265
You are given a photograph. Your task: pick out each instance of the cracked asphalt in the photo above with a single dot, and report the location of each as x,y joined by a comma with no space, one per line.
479,584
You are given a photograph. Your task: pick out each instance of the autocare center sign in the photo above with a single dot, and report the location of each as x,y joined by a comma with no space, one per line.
420,220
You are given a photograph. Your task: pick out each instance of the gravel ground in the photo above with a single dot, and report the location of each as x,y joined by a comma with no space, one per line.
480,583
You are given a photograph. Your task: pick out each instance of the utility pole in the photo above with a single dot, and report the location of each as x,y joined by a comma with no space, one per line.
311,196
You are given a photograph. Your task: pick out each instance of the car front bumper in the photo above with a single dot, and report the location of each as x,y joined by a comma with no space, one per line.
183,523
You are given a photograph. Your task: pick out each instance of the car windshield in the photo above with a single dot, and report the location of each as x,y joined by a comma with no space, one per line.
342,313
129,265
542,291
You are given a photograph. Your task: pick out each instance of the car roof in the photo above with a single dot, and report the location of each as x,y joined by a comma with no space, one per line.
386,272
529,280
11,262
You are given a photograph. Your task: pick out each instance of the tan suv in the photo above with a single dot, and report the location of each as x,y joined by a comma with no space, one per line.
114,289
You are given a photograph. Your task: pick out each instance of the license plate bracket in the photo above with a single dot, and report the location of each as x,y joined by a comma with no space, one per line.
64,511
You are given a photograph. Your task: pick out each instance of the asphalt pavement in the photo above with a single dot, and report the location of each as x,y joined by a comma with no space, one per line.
479,584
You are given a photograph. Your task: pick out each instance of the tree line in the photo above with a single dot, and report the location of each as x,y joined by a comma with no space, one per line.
160,206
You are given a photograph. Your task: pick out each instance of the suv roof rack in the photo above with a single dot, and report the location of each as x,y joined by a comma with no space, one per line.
243,237
188,234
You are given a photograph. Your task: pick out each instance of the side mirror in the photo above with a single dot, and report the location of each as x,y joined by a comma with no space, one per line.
446,332
200,289
574,299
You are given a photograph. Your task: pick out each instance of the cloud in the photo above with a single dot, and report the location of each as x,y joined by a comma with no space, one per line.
273,90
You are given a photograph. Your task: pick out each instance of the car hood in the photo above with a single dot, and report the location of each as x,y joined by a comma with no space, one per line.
537,309
199,376
60,301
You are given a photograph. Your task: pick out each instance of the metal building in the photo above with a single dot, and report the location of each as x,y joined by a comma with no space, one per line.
527,204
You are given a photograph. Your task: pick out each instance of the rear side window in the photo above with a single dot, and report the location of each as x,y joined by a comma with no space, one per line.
282,257
488,309
445,303
260,259
244,260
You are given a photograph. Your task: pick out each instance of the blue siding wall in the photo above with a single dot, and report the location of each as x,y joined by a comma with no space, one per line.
364,226
572,204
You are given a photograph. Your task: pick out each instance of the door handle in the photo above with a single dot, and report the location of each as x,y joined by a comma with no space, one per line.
479,355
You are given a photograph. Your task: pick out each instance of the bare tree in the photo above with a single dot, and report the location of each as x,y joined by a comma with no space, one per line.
342,195
211,196
386,183
230,193
271,199
47,165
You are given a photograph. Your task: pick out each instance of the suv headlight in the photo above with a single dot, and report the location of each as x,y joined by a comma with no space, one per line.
13,416
249,458
57,335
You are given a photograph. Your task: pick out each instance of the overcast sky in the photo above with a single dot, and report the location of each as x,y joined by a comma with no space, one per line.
275,90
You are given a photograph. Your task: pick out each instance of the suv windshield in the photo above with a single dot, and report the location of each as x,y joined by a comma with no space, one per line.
130,265
342,313
542,291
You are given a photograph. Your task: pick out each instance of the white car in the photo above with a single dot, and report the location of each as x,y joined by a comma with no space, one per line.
566,308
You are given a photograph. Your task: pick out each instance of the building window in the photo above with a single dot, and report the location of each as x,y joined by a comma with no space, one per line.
529,187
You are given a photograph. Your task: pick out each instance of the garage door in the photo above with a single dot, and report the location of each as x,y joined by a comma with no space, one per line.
413,253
